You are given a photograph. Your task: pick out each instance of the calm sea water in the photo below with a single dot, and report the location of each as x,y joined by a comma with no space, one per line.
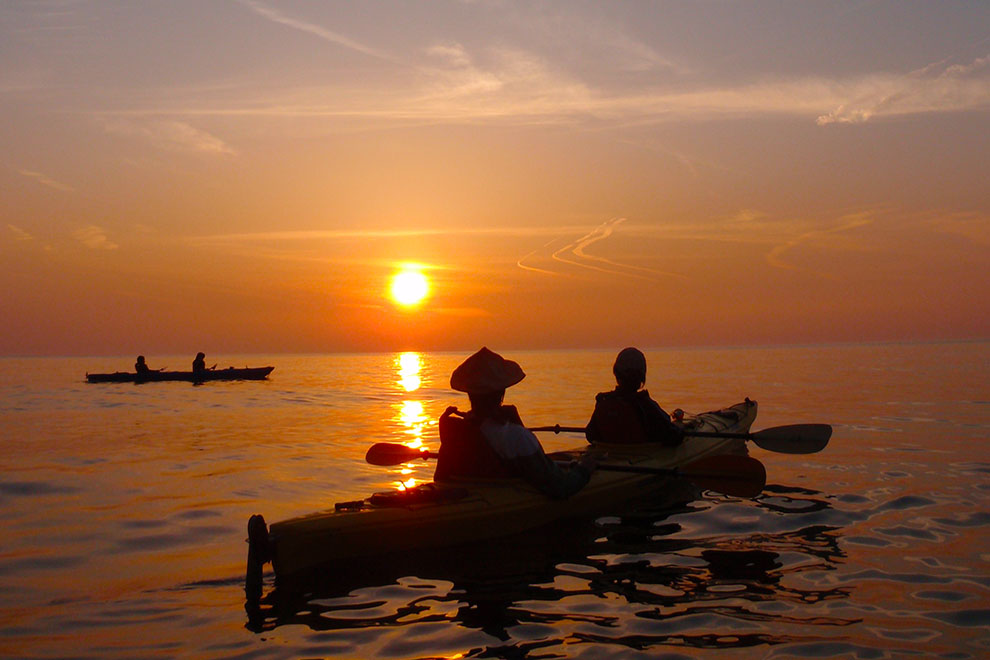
124,507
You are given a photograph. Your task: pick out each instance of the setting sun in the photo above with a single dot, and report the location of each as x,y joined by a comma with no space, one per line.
409,287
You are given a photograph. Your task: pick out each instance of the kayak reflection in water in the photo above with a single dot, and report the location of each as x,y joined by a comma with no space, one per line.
490,441
627,413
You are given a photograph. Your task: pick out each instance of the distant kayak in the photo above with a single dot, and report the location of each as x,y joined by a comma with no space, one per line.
231,373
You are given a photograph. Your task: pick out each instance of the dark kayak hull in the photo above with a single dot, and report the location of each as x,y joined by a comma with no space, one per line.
486,509
247,373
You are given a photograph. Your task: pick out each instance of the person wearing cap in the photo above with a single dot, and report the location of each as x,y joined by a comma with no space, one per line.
627,414
491,442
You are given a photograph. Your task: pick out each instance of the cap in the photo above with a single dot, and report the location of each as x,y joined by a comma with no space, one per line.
630,362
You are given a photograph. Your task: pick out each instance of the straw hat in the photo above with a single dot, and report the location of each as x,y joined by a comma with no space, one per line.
485,372
631,362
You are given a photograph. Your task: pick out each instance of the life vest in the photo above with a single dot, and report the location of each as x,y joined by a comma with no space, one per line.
618,419
464,452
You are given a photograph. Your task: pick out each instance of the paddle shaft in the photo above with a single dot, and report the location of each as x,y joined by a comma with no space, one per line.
394,454
789,439
700,434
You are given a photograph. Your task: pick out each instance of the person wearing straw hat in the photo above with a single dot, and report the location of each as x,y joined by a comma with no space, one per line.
628,414
490,440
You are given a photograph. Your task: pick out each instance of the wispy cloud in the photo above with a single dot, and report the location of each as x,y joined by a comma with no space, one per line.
816,236
311,28
169,135
47,181
20,234
505,83
935,88
330,235
574,254
602,40
520,88
94,237
451,82
522,263
974,227
631,54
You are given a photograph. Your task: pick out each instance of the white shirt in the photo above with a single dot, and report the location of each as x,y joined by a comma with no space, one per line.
510,440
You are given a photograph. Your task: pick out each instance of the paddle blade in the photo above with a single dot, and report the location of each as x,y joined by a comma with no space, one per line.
386,453
738,476
794,438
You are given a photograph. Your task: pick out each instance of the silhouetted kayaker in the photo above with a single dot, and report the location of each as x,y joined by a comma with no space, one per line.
141,367
490,440
627,413
199,364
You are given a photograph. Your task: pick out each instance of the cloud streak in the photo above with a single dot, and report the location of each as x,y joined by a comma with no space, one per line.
934,88
313,29
517,87
815,237
342,234
170,136
47,181
94,237
20,234
574,254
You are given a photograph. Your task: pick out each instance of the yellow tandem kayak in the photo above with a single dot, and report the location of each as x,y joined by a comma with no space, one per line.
442,515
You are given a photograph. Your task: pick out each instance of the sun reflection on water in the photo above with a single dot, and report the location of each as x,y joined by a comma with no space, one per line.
409,365
410,413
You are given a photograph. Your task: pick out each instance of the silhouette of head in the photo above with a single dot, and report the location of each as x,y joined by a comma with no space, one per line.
200,356
485,372
485,377
630,368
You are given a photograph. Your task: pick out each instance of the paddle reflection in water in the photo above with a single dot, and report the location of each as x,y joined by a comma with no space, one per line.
669,571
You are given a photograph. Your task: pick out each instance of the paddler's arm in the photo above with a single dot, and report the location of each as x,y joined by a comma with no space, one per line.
551,479
660,428
522,453
591,431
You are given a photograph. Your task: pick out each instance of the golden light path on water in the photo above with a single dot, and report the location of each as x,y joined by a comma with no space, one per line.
410,411
409,365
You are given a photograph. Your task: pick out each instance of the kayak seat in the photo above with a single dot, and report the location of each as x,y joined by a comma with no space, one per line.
464,452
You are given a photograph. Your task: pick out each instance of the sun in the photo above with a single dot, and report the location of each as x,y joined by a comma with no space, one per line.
409,287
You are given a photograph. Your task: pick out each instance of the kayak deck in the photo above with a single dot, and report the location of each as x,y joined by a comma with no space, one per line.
441,515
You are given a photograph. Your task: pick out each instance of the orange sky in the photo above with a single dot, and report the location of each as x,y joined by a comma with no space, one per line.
247,176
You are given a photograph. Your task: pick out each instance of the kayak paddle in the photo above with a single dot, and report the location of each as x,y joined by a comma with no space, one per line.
789,439
388,453
739,476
